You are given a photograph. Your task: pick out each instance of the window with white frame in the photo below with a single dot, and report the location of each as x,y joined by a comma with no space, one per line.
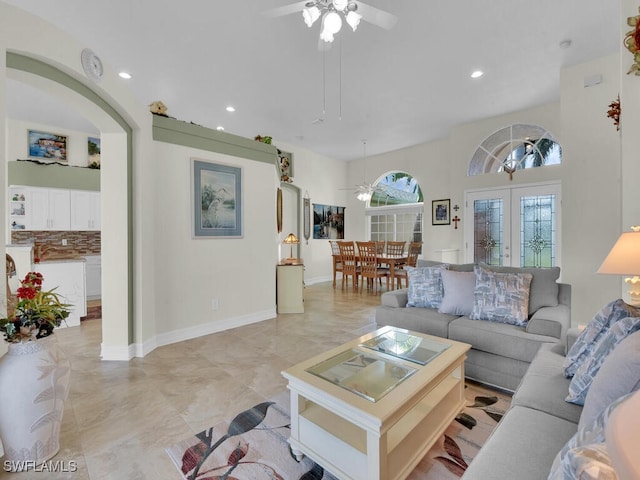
395,209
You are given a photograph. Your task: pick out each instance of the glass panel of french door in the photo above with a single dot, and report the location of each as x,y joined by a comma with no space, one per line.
487,219
537,235
527,218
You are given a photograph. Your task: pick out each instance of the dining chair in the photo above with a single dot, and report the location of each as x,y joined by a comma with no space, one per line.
337,262
380,247
412,261
369,268
395,248
349,262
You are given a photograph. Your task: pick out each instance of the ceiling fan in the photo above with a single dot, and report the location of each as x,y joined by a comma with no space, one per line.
332,12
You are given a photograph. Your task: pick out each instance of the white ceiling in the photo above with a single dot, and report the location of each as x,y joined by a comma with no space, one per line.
396,88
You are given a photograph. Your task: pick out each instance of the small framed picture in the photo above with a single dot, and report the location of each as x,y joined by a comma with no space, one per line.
441,212
47,146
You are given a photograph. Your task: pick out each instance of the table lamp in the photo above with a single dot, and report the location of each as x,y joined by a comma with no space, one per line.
291,240
624,259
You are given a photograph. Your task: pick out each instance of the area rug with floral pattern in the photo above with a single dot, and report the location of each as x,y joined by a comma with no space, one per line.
253,445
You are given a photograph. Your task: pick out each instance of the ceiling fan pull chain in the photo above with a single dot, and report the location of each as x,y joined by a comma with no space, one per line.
340,83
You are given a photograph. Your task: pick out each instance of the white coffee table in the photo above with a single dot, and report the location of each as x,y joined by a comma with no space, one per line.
366,413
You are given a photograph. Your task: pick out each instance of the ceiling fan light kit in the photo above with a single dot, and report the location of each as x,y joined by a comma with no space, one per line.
332,12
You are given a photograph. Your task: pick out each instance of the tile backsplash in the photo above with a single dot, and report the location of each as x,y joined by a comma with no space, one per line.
78,243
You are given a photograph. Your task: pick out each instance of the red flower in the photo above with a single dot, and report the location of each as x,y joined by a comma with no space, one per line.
27,292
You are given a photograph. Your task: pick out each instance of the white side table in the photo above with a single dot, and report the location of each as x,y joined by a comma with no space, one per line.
290,288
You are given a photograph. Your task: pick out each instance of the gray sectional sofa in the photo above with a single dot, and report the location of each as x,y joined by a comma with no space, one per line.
526,359
501,353
541,436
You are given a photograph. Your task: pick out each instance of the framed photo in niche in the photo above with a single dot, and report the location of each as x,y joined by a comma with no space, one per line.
216,200
47,146
441,212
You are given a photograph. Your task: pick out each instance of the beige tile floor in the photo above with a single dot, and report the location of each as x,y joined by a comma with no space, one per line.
121,415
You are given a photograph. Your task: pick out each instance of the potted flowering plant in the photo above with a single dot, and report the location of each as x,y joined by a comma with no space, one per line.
35,371
36,314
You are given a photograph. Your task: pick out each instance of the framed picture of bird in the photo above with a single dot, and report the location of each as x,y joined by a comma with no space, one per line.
216,200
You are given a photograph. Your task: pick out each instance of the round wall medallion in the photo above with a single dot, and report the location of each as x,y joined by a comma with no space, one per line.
92,65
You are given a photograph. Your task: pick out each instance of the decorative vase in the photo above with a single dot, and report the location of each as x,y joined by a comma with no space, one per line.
34,384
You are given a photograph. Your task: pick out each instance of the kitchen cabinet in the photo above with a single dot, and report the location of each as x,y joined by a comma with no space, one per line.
94,277
68,277
85,210
37,208
49,209
290,287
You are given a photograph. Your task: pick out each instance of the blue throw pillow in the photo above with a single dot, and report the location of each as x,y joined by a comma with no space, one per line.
583,378
595,329
586,451
501,297
425,286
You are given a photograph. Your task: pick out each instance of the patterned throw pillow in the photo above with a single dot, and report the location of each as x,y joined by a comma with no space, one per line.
593,332
425,286
583,378
585,453
501,297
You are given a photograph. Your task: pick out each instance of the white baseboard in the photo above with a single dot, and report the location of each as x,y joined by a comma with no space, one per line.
316,280
175,336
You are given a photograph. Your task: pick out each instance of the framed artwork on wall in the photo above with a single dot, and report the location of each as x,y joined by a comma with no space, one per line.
328,222
441,212
93,150
216,200
47,146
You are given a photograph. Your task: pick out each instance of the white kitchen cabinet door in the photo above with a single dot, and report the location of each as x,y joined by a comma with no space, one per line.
48,209
85,210
69,280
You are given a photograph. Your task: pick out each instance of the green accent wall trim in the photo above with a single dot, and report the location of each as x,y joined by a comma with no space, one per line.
37,67
53,176
177,132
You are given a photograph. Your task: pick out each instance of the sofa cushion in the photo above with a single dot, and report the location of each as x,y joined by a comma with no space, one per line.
501,297
457,267
458,292
583,378
425,286
618,375
522,446
582,447
544,286
544,387
499,338
423,320
595,329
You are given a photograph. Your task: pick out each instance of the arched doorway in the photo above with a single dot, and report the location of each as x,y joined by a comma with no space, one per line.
116,184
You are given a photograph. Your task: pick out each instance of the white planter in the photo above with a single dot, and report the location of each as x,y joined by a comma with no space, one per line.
34,383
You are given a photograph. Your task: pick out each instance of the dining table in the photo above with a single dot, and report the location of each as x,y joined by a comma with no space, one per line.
392,261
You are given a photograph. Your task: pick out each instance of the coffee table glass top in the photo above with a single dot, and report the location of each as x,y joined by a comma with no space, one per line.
365,374
406,346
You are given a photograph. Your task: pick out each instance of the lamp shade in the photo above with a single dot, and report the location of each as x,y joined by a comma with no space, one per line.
624,257
291,239
310,15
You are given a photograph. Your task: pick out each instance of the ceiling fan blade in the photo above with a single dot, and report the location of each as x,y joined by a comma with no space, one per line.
376,16
286,9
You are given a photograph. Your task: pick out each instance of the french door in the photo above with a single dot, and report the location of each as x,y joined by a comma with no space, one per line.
518,226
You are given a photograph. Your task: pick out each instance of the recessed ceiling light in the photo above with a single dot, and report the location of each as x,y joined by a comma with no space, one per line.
477,74
124,75
220,128
230,109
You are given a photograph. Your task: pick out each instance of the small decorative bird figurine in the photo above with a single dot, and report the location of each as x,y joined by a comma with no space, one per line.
158,108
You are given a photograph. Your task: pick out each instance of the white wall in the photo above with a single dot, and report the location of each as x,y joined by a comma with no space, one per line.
323,178
590,177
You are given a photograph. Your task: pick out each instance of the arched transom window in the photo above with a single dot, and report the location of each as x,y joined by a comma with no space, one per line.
395,209
515,147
